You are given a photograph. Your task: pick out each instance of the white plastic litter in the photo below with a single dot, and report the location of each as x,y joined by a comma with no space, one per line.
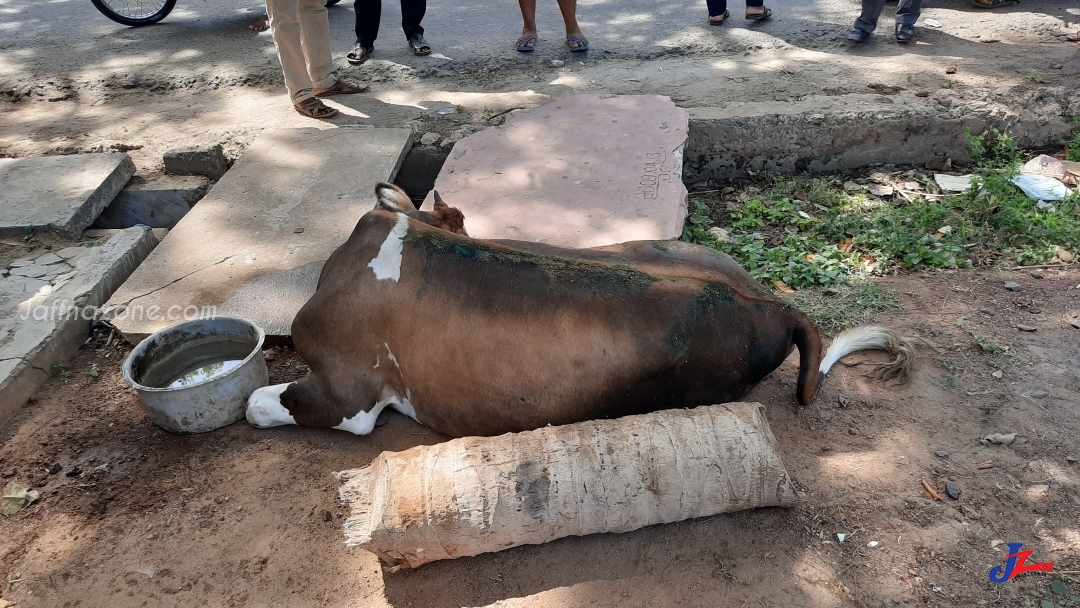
841,536
932,23
1041,187
953,183
872,544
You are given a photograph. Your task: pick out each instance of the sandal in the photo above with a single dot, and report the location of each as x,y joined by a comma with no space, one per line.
340,88
314,107
577,45
359,54
991,3
525,44
418,45
759,16
721,20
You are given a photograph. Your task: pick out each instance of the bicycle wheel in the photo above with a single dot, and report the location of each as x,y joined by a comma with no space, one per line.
135,13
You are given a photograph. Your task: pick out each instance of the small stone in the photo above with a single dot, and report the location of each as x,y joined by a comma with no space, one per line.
1075,324
986,311
1036,274
1064,255
56,468
997,374
326,516
950,70
196,160
1035,311
1026,328
851,186
720,233
74,472
1011,286
1039,394
941,454
952,490
556,63
1072,459
879,190
430,139
852,432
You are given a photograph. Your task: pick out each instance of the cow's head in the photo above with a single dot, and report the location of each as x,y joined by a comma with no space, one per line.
390,197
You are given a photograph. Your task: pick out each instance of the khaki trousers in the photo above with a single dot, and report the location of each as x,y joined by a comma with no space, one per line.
301,30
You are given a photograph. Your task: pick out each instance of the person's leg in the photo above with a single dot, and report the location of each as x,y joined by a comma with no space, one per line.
528,18
717,8
368,15
755,7
908,11
871,10
285,29
315,38
568,8
412,13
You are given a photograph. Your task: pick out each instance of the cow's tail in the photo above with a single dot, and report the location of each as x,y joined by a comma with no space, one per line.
867,337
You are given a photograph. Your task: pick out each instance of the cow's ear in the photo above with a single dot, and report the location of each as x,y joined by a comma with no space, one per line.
440,208
390,197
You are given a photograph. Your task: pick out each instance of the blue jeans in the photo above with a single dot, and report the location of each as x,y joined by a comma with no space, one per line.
907,12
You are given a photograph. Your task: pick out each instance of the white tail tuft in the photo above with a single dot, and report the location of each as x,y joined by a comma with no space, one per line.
874,337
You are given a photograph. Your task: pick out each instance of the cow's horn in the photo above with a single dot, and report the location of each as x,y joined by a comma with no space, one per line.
438,199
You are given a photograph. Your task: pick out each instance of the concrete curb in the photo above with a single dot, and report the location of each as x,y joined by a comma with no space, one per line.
50,326
825,133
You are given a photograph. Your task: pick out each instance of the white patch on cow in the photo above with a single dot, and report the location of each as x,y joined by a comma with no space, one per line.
363,423
264,408
387,265
391,356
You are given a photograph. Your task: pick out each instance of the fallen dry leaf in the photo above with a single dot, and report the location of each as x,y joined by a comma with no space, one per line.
951,69
782,286
989,464
844,245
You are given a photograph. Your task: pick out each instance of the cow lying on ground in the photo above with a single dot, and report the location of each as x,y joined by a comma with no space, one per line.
474,337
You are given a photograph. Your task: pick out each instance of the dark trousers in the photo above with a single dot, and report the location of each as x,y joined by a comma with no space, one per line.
907,12
369,13
717,7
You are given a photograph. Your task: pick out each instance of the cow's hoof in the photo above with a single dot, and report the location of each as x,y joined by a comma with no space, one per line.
264,408
382,419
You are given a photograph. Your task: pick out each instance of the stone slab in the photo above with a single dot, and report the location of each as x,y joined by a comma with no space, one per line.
158,201
61,193
45,322
253,246
582,171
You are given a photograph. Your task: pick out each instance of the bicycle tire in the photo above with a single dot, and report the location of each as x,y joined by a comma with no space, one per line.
135,13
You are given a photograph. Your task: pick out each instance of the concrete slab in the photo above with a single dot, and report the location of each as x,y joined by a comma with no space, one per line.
44,322
158,201
253,246
61,193
583,171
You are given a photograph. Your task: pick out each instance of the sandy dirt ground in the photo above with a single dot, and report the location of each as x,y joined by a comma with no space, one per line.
247,517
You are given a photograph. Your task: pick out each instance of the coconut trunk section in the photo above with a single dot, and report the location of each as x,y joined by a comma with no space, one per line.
481,494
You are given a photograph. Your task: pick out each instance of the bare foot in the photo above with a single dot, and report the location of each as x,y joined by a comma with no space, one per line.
261,24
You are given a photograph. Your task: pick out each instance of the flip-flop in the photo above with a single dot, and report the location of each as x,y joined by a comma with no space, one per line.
359,54
724,17
418,45
577,45
525,44
313,107
759,16
340,88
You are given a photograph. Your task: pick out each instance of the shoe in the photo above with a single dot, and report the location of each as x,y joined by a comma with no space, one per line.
359,54
905,33
858,36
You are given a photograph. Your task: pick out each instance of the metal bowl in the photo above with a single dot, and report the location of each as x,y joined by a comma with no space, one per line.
196,376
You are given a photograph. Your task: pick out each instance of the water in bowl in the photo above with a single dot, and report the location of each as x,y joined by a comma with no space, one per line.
197,363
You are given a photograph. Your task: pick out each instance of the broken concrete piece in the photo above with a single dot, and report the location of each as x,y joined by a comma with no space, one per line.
196,160
61,193
157,201
238,252
582,171
43,323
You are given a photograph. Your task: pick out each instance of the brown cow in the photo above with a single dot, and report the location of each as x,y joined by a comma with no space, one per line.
391,197
474,337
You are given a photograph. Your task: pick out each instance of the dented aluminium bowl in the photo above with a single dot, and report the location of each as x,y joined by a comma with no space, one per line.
196,376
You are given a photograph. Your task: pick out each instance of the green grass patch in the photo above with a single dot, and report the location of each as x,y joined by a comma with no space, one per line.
810,231
846,306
